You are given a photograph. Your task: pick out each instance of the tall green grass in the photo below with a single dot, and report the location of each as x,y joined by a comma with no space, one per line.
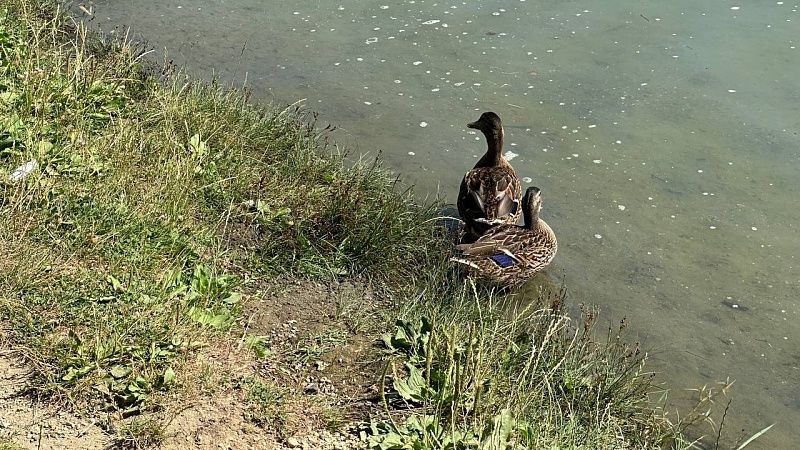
153,204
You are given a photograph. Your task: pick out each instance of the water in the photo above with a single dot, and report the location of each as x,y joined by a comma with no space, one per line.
664,137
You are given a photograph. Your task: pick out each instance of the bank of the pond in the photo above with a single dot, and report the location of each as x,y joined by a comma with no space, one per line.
180,265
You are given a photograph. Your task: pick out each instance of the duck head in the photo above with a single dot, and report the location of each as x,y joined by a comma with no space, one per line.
491,127
489,123
531,205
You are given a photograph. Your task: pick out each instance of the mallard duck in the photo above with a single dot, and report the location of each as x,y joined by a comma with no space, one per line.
490,192
510,254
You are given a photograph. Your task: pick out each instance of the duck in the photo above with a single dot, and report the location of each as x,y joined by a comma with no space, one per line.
511,254
490,192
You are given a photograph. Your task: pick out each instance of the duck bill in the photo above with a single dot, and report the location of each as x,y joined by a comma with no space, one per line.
473,125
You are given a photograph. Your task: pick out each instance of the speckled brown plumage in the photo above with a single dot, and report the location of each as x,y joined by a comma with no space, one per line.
511,254
490,192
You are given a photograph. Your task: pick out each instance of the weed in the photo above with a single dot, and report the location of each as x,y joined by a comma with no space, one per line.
313,347
141,433
265,403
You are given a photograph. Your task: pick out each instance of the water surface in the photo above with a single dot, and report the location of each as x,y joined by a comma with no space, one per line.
664,137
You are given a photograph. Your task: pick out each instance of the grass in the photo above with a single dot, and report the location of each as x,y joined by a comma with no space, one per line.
265,404
158,205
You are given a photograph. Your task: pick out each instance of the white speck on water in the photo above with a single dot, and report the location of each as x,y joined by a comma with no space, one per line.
575,155
371,40
460,83
367,103
598,236
384,6
435,90
597,161
621,207
526,179
511,155
732,91
754,228
416,63
397,81
735,8
411,153
423,124
712,227
431,22
592,126
618,141
699,170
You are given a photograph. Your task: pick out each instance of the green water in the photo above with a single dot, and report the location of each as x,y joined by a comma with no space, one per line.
664,137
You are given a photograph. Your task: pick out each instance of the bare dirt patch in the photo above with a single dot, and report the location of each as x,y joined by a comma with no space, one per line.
31,424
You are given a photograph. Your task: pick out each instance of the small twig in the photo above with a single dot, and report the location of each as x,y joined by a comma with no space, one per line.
722,424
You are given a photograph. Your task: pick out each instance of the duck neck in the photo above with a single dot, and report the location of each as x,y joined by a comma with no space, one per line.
494,150
531,217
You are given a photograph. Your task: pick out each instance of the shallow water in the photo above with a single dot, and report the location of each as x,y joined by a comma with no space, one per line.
664,137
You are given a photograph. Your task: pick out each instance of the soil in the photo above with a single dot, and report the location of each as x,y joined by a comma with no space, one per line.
321,355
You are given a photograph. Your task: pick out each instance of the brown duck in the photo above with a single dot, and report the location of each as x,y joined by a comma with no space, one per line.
490,192
511,254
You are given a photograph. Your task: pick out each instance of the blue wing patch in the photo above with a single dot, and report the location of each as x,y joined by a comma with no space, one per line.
502,260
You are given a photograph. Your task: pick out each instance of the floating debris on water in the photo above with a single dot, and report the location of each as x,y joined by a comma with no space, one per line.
526,179
423,124
733,305
598,236
411,153
511,155
621,207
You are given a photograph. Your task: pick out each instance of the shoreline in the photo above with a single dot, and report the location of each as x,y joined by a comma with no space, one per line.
177,245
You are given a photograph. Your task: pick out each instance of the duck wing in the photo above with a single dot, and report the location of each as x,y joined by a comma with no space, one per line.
502,239
489,195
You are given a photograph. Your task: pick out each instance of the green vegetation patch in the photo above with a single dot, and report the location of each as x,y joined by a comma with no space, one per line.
129,204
